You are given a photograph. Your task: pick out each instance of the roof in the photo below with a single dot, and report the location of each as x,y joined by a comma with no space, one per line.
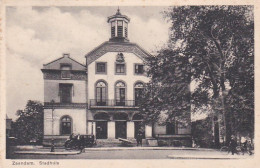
110,46
66,59
118,15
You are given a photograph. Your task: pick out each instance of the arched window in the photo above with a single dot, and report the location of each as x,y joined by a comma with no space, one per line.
137,117
66,125
101,93
139,88
101,116
120,93
120,116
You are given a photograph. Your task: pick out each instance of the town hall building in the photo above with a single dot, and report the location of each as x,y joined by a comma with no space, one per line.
102,96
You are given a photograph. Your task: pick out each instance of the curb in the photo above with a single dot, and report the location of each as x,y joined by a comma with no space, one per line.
28,147
206,157
47,153
143,148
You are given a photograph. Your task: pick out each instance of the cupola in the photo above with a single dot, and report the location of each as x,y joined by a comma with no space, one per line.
119,27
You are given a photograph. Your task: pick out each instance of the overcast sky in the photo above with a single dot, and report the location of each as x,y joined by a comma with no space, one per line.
38,35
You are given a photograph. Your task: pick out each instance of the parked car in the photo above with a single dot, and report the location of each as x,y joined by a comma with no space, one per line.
80,142
11,141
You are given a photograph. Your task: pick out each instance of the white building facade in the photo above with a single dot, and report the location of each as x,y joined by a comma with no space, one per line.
101,97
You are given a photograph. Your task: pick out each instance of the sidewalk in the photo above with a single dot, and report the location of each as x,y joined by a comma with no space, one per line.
48,152
219,156
144,148
44,151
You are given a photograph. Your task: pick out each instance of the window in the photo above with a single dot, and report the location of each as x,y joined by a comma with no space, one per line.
101,67
101,93
120,68
66,125
65,93
170,128
65,71
120,28
112,29
139,68
125,25
139,88
120,93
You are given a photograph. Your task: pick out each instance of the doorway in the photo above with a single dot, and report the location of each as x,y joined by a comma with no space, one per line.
101,129
120,129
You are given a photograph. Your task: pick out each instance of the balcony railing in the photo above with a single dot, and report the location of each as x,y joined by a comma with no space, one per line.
113,103
49,105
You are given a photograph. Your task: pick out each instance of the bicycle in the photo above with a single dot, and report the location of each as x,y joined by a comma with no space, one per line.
238,151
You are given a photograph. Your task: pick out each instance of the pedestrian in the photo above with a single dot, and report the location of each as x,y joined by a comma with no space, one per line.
139,137
244,147
233,145
249,147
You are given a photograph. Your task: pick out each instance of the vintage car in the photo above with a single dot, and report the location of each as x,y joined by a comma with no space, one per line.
80,142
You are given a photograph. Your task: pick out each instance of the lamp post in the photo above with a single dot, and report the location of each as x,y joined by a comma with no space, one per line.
52,139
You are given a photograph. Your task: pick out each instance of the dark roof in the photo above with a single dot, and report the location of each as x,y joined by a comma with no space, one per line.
66,59
110,46
118,15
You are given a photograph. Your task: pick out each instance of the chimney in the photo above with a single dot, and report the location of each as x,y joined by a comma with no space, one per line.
66,55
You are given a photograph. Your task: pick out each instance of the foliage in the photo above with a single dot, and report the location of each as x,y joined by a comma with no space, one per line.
219,42
213,46
29,125
202,132
167,96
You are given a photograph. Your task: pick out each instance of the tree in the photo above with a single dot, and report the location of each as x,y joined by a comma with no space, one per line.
214,47
29,124
167,95
216,40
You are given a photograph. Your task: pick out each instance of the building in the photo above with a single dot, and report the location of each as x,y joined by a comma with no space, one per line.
8,126
101,97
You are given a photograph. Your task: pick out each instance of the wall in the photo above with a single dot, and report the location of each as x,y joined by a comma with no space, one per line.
78,118
159,129
51,90
130,78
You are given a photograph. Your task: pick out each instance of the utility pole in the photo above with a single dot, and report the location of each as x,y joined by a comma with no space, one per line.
52,139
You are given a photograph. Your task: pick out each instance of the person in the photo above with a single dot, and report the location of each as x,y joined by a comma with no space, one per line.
82,144
77,144
71,136
139,137
244,147
249,147
70,141
233,145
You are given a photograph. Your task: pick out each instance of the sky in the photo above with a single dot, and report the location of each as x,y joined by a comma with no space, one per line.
38,35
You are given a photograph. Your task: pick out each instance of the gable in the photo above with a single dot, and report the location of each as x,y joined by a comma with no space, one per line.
116,47
65,60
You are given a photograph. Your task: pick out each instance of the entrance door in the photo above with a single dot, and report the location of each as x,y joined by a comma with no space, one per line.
120,129
138,126
101,129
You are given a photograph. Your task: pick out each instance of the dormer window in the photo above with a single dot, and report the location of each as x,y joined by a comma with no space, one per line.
65,71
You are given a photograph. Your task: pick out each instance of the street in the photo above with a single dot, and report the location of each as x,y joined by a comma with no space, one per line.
125,154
